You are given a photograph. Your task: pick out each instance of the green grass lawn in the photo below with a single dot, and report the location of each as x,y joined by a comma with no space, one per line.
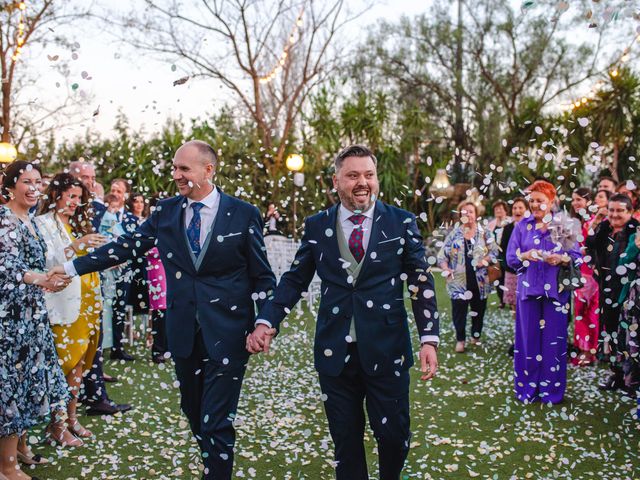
465,423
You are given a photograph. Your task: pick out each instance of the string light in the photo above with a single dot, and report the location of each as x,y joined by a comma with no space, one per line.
282,60
20,37
613,73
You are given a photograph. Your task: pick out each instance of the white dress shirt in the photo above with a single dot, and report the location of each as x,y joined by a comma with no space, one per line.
347,225
207,213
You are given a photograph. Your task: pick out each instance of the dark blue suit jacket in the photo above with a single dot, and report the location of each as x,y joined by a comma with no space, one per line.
234,272
98,212
376,302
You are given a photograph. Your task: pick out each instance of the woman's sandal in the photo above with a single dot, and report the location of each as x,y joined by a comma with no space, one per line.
34,459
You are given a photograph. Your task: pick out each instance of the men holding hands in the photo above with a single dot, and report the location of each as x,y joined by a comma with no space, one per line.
363,250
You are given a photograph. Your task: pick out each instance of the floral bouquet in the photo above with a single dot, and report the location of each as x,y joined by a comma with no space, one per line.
564,231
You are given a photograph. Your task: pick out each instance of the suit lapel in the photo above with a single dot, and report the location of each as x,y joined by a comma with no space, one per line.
332,252
180,235
220,228
377,228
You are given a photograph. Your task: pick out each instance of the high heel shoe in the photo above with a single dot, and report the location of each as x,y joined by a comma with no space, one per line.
52,438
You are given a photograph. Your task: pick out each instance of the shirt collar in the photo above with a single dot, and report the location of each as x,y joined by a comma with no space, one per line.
345,213
209,201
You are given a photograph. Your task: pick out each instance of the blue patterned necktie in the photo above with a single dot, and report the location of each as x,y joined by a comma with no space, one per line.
193,230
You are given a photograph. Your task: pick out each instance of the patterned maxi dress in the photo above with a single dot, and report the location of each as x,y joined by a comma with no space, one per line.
31,382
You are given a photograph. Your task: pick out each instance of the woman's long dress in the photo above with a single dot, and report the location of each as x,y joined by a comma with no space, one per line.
31,382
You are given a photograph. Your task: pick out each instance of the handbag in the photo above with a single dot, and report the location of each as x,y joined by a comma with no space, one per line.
569,278
494,272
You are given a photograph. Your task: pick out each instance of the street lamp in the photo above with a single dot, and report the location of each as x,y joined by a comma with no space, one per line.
8,152
441,185
294,163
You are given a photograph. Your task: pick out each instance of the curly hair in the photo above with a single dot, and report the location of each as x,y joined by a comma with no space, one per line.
80,221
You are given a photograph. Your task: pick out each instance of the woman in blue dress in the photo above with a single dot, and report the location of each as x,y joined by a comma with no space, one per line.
32,383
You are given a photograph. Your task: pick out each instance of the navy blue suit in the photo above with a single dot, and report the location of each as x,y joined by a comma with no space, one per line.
210,310
375,368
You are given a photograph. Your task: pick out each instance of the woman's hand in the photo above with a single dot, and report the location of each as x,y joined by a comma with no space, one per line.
49,282
447,273
91,240
486,261
637,239
533,255
556,259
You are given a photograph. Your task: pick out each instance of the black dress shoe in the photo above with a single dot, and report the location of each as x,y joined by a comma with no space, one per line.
123,407
121,355
613,382
158,359
106,407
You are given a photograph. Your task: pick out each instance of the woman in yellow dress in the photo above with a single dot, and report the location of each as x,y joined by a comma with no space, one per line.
74,313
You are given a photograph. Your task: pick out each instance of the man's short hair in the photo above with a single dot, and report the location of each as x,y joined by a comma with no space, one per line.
76,167
127,185
606,177
622,198
205,150
353,151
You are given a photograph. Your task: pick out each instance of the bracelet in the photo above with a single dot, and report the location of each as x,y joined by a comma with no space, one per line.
433,344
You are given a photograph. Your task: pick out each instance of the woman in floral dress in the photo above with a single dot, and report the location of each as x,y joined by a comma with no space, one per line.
464,257
33,385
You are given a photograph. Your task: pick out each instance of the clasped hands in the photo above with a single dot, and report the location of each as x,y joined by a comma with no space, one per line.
260,339
55,280
535,255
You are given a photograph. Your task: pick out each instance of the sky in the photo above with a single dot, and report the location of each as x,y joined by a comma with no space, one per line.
117,78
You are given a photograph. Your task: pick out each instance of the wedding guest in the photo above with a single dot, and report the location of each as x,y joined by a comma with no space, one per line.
540,362
271,220
96,398
519,208
121,189
496,226
33,385
629,189
74,313
607,183
464,257
97,194
157,283
629,355
606,242
138,299
586,298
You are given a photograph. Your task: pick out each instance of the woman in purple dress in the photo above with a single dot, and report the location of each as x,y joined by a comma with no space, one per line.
536,252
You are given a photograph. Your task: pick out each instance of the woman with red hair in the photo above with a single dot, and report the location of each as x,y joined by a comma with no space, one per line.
538,248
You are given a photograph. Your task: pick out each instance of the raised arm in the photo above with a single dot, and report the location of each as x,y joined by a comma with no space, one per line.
124,248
